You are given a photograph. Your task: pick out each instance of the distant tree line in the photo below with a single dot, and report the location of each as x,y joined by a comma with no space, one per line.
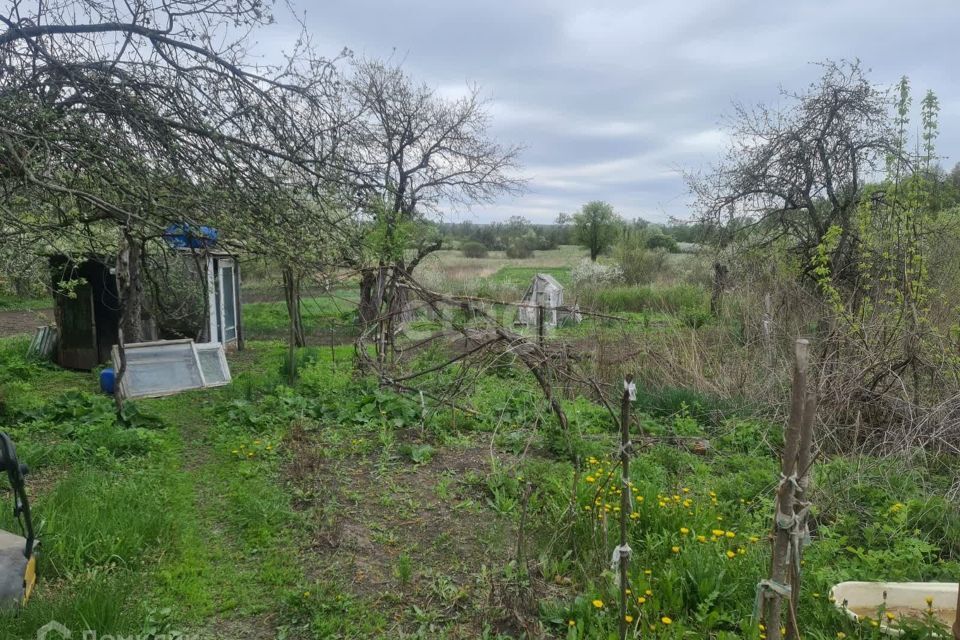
596,227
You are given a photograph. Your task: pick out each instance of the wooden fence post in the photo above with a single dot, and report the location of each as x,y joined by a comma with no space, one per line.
540,321
623,551
772,592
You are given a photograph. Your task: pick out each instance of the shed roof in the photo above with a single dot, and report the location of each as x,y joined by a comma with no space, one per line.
549,280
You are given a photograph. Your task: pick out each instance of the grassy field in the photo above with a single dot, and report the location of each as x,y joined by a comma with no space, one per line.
335,508
13,303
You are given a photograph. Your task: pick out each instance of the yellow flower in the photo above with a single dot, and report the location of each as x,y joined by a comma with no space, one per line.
666,620
598,604
306,594
647,572
641,600
675,549
649,592
731,554
754,539
628,618
684,530
591,479
701,538
891,616
572,623
841,635
686,490
874,623
929,601
730,534
717,532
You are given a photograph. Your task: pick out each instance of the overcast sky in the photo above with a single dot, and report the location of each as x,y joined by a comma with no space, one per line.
613,99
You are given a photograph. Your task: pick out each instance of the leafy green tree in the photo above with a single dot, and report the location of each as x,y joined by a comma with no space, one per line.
596,227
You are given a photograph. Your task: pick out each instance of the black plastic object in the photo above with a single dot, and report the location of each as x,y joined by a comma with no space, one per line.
21,506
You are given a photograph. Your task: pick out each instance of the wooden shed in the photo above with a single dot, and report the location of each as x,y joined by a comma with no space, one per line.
87,305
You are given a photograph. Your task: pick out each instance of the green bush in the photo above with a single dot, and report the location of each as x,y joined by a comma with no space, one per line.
661,241
519,250
474,250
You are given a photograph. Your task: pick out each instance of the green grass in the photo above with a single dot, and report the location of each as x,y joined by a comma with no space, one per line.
672,299
338,508
523,275
336,312
14,303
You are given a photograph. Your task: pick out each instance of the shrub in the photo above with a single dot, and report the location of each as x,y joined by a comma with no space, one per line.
640,264
519,250
661,241
592,274
474,250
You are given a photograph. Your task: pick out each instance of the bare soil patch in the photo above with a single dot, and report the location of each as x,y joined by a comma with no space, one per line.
13,323
418,540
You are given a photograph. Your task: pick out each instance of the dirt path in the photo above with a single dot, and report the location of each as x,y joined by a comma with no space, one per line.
14,323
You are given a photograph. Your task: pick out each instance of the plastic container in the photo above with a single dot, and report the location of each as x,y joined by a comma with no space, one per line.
107,381
860,600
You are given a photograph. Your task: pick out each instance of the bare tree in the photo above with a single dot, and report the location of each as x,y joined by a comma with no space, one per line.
796,172
118,119
415,153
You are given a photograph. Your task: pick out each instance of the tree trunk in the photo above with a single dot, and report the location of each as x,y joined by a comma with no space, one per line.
136,319
371,295
291,290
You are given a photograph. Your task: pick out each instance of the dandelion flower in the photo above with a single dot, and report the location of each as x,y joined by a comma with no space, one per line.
841,635
675,549
628,618
666,620
891,615
598,604
717,532
591,479
649,592
684,530
572,623
701,538
731,554
730,534
641,600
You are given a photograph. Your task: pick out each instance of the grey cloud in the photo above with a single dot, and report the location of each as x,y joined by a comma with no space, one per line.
611,99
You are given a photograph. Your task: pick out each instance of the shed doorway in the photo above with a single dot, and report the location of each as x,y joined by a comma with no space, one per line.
224,294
